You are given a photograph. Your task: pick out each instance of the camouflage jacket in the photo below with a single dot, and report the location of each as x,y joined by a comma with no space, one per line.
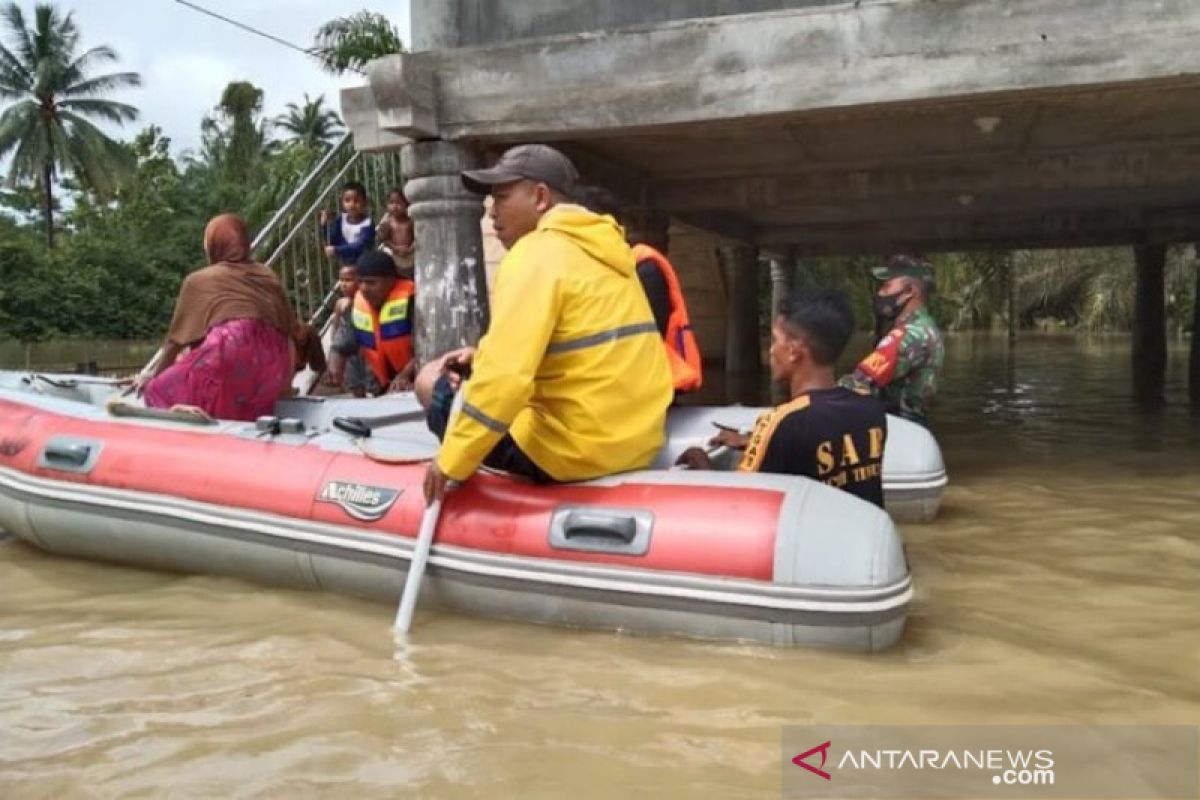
904,368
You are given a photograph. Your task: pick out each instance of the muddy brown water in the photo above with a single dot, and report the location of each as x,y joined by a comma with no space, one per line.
1060,584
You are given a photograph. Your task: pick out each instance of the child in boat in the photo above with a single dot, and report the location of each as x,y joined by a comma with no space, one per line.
825,432
352,232
395,233
347,369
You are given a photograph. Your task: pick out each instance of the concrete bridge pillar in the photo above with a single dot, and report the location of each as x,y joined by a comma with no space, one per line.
1149,325
1194,355
782,271
743,357
452,302
781,282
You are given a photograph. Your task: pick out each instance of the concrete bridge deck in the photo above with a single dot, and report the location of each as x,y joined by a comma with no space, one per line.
857,126
814,127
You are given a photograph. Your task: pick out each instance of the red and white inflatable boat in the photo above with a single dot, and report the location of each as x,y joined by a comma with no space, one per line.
716,555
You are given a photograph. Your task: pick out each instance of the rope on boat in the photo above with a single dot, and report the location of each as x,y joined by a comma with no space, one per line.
179,413
385,458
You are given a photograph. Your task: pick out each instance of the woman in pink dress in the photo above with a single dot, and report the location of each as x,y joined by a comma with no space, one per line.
236,325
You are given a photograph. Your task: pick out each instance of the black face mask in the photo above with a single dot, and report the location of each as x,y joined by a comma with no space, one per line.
887,306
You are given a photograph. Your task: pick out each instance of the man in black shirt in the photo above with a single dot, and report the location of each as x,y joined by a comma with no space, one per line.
825,432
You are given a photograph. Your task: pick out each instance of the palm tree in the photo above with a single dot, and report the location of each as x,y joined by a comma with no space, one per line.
310,123
234,138
47,129
348,43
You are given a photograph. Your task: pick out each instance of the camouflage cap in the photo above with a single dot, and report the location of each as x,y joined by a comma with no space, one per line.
910,266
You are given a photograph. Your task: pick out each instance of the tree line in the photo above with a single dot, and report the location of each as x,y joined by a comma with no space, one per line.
1085,290
97,233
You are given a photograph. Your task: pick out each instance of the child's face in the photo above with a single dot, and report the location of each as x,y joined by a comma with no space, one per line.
354,205
348,281
397,206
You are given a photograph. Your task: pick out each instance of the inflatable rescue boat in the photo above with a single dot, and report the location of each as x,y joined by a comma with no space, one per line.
298,500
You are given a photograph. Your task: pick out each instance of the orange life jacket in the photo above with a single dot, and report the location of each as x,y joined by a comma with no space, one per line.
682,352
385,336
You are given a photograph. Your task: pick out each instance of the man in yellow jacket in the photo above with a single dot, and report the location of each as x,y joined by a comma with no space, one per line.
571,381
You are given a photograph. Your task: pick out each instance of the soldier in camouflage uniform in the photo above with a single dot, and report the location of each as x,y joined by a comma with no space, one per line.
906,364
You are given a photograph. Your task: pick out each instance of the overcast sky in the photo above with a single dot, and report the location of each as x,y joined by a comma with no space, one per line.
186,58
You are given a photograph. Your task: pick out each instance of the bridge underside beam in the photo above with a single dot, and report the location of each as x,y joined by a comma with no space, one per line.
864,126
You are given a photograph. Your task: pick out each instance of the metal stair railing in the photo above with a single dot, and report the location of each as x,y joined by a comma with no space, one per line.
292,242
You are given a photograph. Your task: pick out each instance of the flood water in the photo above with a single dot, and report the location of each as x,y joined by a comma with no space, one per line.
70,355
1060,584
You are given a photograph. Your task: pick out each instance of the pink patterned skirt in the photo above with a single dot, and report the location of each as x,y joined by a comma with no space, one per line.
238,372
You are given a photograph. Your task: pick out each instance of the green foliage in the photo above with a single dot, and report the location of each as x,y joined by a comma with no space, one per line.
48,129
346,44
235,136
117,272
1089,290
310,123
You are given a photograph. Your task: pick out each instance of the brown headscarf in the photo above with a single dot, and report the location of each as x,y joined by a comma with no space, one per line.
231,287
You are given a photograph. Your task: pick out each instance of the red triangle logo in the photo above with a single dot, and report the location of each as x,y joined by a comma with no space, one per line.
823,749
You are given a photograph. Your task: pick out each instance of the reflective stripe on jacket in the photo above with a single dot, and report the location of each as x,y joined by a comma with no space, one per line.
571,366
385,337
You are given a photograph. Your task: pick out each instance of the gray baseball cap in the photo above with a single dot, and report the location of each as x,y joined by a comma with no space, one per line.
535,162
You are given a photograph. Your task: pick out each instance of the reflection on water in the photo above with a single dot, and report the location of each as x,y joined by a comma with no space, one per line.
1059,400
1061,584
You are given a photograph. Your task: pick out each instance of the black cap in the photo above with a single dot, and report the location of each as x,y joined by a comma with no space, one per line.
376,264
535,162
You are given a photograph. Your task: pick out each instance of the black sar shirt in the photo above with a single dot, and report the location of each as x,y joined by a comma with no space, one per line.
835,436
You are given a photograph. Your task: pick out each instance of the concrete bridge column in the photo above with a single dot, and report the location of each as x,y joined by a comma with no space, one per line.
1149,325
781,282
1194,355
452,303
743,359
782,273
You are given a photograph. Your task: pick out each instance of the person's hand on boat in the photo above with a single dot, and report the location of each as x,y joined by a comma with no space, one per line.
694,458
732,439
137,384
403,382
322,218
335,371
329,251
435,483
457,365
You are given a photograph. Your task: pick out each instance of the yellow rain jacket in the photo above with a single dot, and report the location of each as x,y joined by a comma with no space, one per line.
572,365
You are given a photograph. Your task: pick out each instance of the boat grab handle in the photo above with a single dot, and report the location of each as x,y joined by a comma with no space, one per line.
590,523
603,530
69,454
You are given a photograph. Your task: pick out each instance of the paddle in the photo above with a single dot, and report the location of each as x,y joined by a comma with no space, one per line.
361,427
416,568
72,382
